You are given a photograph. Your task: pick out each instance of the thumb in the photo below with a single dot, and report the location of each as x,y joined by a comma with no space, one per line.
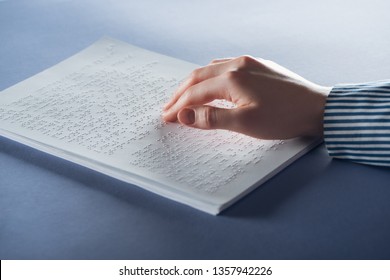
207,117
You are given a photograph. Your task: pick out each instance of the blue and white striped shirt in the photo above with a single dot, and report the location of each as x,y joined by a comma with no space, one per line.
357,122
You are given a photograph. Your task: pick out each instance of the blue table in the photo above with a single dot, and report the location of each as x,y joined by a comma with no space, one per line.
317,208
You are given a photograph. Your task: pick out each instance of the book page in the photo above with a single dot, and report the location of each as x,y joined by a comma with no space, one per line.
102,108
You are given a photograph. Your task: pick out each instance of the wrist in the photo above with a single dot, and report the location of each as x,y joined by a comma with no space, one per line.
318,107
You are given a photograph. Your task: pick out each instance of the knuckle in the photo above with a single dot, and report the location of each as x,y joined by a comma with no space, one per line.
187,94
195,75
245,61
209,117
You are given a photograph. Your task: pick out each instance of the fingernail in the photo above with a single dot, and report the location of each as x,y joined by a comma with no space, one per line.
187,116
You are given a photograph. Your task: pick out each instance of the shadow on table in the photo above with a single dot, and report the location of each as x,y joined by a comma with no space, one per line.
290,182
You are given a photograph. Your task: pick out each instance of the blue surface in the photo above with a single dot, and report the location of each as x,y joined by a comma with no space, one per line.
317,208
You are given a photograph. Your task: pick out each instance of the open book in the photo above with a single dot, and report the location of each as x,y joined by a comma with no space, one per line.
101,108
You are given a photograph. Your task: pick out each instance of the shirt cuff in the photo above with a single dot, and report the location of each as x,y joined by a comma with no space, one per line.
357,122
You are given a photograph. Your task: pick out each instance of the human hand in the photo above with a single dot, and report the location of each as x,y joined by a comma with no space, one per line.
272,102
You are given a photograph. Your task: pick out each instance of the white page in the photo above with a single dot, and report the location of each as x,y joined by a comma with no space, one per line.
101,108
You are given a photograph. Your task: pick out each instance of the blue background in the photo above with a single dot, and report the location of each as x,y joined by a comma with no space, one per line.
317,208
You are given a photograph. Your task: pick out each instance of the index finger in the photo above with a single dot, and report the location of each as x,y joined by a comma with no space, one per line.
197,76
199,94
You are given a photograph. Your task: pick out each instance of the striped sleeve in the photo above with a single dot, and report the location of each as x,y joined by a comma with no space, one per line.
357,122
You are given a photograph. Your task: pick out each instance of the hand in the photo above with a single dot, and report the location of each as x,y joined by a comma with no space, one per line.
272,102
